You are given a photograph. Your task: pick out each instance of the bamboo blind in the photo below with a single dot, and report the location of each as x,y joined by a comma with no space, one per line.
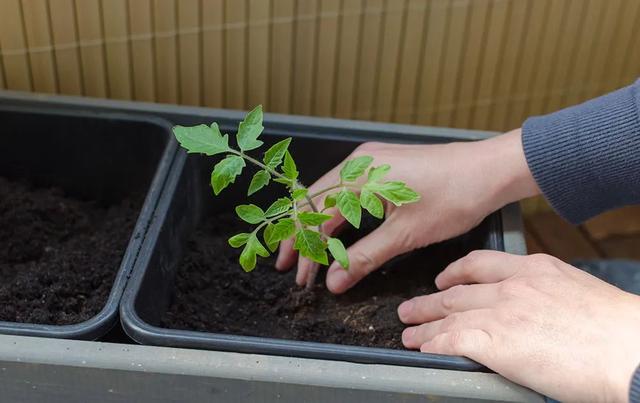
484,64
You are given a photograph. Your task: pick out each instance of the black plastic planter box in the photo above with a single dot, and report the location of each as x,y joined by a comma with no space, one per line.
187,197
104,157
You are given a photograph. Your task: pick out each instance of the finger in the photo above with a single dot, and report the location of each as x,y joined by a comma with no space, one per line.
481,266
416,336
286,256
436,306
475,344
365,256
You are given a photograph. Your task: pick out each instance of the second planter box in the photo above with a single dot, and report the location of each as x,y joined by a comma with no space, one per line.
189,291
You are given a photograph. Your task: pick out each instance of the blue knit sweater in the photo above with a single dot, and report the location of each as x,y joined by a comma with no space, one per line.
586,160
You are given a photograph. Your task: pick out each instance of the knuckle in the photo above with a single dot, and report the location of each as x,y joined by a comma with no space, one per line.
539,260
450,297
364,261
457,341
514,288
452,322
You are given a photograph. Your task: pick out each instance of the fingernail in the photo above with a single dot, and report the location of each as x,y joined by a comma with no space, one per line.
404,310
408,334
337,279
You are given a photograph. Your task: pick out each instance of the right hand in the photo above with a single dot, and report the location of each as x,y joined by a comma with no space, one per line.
459,184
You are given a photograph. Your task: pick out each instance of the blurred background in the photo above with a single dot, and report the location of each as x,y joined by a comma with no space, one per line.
476,64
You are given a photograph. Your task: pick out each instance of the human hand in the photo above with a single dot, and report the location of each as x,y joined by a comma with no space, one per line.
459,184
533,319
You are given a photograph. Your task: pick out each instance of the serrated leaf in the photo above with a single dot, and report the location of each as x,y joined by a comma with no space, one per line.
274,233
238,240
274,155
299,194
349,206
312,218
260,179
377,173
354,168
278,207
251,249
339,252
225,172
310,245
249,130
371,203
284,181
202,139
250,213
329,201
289,167
396,192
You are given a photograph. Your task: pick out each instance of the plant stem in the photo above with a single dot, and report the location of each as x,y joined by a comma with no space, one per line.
261,165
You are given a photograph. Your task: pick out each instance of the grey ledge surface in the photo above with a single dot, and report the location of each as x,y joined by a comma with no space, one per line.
37,369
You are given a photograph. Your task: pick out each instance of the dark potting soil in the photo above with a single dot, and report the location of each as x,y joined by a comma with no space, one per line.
58,256
213,294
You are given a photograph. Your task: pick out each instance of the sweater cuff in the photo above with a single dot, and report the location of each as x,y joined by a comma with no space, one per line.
634,391
586,158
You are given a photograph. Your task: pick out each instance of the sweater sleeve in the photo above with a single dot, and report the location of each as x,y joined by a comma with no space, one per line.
634,391
586,158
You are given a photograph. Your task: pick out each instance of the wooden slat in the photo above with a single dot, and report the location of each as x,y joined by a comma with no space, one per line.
92,51
305,56
347,63
526,67
235,30
189,50
622,247
282,43
39,40
3,81
573,31
66,49
411,53
509,63
533,246
449,77
624,221
474,49
388,61
213,52
628,44
325,75
631,65
559,238
142,49
17,70
166,55
369,52
498,21
258,52
116,33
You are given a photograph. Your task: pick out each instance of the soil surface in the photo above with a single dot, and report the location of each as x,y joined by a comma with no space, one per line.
214,294
58,256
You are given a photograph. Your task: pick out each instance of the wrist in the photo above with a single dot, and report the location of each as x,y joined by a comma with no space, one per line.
505,165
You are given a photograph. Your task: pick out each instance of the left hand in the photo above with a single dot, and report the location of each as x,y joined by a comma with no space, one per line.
533,319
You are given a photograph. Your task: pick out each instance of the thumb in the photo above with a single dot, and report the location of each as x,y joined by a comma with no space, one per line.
365,256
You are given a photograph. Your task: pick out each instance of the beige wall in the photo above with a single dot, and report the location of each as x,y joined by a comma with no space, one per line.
484,64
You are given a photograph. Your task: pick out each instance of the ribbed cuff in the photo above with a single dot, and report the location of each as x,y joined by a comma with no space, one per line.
634,391
586,158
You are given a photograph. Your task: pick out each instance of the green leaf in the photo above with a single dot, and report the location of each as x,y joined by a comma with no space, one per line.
349,206
371,203
202,139
339,252
329,201
250,213
312,218
238,240
289,168
396,192
251,249
274,233
249,130
259,180
354,168
299,194
278,207
378,173
225,172
274,155
310,245
284,181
